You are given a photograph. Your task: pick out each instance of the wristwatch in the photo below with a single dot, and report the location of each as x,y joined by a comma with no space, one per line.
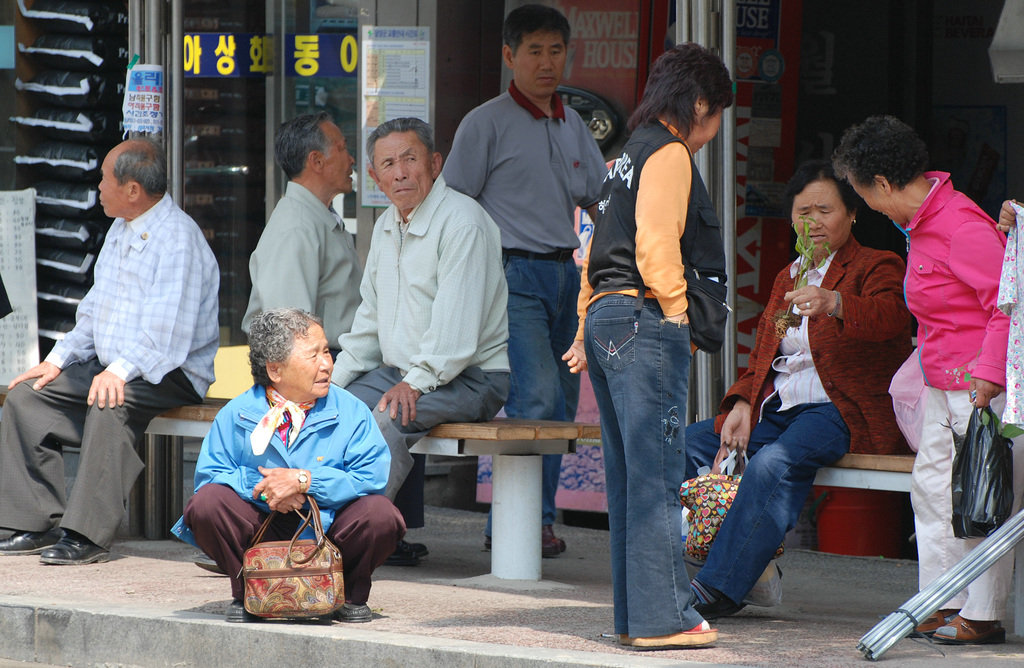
303,482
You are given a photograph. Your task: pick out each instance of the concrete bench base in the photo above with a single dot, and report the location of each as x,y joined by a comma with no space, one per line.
516,447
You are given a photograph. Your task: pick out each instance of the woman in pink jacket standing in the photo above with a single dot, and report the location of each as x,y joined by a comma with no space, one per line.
954,256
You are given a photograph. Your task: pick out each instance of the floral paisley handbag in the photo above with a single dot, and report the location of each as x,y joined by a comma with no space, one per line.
708,498
295,578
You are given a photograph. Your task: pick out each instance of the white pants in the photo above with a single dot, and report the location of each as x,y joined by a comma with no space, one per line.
931,495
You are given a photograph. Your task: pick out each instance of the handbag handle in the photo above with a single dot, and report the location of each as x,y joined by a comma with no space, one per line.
312,517
733,466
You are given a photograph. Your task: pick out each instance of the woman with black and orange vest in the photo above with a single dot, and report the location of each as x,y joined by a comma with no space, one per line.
655,221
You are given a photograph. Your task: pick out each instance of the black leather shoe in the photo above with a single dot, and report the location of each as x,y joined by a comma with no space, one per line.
723,607
550,544
74,550
208,564
237,614
29,542
407,554
354,613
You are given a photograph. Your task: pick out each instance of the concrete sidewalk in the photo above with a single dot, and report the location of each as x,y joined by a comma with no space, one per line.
150,606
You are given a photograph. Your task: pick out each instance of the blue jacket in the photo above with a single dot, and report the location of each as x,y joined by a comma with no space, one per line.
340,444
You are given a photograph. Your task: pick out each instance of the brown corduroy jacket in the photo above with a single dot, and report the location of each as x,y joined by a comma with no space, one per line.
855,356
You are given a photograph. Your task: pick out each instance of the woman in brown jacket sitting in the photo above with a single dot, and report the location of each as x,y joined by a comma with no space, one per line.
816,387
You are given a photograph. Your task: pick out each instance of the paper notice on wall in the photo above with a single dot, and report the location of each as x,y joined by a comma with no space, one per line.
144,100
19,333
396,84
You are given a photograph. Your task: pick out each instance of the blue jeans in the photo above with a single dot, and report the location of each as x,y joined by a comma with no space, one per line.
640,368
542,325
786,449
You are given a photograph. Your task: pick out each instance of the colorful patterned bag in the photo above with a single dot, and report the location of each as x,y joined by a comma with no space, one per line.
296,578
708,498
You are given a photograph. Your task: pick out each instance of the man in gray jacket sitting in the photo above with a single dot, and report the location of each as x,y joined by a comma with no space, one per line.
430,340
305,259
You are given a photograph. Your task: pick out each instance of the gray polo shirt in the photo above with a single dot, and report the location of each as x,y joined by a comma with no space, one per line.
528,173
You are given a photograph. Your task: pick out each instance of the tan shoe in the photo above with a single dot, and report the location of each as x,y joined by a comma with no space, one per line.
961,631
938,619
624,639
699,636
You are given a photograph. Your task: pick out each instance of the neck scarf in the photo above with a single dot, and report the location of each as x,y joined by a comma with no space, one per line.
279,407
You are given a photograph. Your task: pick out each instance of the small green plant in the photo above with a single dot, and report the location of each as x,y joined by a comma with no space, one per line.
1007,431
806,249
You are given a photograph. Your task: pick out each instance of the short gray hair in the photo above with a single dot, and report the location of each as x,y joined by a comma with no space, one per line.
142,160
272,335
421,128
299,137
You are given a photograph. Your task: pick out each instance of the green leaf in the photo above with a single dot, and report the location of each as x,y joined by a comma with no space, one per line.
985,419
1011,431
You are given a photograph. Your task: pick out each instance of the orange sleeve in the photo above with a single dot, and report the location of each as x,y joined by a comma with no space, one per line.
662,200
586,290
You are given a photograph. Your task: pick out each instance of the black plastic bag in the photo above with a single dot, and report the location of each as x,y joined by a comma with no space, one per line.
982,477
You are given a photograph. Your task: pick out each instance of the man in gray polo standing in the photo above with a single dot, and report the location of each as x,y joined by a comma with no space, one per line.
529,161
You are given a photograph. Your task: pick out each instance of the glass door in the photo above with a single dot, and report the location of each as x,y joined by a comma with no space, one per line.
224,147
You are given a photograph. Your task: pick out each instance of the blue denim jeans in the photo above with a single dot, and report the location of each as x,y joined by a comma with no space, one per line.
640,367
786,449
542,325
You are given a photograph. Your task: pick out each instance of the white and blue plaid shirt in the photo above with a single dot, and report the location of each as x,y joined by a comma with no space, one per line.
153,306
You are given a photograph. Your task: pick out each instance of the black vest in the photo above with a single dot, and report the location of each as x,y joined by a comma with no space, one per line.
612,265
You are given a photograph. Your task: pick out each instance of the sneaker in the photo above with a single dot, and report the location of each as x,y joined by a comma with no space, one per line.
722,606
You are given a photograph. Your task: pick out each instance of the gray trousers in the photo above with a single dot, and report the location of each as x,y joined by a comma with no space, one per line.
35,426
474,396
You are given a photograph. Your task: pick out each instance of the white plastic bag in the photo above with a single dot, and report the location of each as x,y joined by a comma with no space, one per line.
767,591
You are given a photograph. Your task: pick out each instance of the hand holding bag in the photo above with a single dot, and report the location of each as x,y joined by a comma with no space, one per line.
982,480
708,498
293,579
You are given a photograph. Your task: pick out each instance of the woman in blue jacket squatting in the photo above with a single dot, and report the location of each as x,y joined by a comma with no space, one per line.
290,436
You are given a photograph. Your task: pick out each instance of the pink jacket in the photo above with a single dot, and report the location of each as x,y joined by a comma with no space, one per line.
953,265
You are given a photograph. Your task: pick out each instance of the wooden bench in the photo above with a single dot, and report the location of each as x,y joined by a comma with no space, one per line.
885,472
517,469
516,446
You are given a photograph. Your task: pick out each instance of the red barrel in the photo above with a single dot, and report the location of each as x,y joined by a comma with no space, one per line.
859,522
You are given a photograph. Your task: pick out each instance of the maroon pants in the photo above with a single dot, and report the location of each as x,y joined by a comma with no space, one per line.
366,531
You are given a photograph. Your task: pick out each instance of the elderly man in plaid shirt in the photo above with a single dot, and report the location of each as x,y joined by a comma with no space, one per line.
430,340
144,341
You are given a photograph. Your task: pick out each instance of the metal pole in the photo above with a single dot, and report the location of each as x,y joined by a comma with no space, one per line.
134,27
728,187
706,395
175,124
156,472
899,624
275,87
154,34
137,496
682,21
